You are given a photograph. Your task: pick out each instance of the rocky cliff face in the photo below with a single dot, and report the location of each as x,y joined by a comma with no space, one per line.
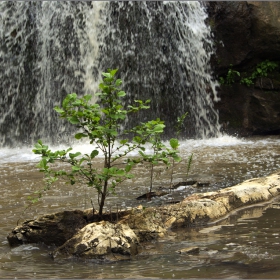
246,34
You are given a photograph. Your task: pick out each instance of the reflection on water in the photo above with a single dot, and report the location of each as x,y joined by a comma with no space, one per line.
246,246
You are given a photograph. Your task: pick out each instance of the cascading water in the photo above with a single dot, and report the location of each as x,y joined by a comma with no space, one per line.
43,50
164,50
51,48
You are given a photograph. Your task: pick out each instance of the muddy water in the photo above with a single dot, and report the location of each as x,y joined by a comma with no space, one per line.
246,246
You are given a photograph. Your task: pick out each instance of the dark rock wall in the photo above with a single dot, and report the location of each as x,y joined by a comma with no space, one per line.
246,34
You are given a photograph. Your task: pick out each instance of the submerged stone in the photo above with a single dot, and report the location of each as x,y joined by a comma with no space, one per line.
189,250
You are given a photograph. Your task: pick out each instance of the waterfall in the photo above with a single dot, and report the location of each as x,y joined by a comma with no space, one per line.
51,48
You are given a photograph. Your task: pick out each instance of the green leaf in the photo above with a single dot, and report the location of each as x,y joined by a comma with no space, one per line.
80,135
76,168
60,173
129,176
93,154
43,164
38,147
128,167
113,72
174,143
68,98
87,97
176,158
72,156
159,128
73,120
59,110
123,142
119,172
118,82
121,94
107,75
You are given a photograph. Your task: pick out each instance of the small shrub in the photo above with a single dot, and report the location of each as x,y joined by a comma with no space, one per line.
101,124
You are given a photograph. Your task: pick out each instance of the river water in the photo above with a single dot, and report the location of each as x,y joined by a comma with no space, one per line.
245,245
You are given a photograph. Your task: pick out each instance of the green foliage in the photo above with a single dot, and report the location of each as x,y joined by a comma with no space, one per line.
230,77
174,144
160,154
101,124
247,81
179,124
261,70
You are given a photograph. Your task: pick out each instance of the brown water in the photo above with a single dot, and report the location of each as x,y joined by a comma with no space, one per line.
246,246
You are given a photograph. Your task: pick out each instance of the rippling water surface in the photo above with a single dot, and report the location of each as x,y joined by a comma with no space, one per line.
246,246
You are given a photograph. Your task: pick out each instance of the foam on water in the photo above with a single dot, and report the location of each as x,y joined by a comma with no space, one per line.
25,154
223,140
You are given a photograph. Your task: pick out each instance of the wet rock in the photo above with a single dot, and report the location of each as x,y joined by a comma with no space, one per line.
102,240
173,202
78,236
190,213
189,250
186,183
149,195
245,34
246,193
212,252
54,229
202,184
210,229
276,205
202,208
146,223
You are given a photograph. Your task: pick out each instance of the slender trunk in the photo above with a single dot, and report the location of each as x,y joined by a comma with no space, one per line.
171,176
102,201
152,175
107,164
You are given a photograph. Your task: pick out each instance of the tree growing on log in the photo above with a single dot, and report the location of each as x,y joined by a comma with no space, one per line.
101,124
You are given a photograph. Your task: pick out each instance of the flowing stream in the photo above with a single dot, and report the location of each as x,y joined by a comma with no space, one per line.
246,246
163,50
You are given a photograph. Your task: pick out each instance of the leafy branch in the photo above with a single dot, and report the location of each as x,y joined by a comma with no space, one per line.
101,124
261,70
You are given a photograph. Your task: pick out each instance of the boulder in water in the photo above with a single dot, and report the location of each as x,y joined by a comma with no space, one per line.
102,240
53,229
